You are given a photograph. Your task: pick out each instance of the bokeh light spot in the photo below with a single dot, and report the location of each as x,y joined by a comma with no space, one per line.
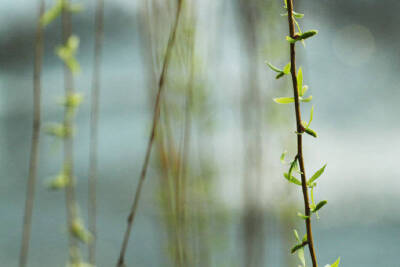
354,44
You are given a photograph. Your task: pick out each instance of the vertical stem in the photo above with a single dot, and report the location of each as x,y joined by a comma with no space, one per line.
92,211
173,182
182,174
31,183
299,135
183,160
70,197
156,116
166,151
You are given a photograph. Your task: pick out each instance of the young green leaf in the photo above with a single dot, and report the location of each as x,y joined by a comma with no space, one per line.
300,80
307,34
292,166
73,65
52,13
296,168
304,238
300,251
59,182
335,264
284,100
283,157
300,255
67,53
286,69
303,90
272,67
281,74
292,179
72,100
298,15
319,206
78,230
296,235
312,205
311,132
301,215
298,26
58,130
316,175
298,246
290,39
311,116
301,36
295,14
73,43
308,99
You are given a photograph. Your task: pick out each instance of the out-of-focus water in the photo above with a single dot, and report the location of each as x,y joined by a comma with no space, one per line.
351,68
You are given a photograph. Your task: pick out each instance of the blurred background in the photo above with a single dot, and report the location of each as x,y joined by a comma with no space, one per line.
218,120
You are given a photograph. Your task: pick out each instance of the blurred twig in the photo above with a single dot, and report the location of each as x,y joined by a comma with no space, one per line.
70,197
183,162
31,184
156,117
94,114
167,190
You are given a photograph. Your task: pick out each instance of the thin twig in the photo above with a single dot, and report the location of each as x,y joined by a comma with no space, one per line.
156,117
70,197
183,161
34,157
173,182
167,191
300,129
94,114
165,148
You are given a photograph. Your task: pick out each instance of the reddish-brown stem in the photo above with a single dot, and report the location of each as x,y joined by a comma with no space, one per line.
33,162
300,129
156,116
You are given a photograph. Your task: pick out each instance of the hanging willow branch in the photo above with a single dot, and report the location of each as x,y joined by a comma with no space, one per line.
70,194
302,127
33,162
94,114
156,116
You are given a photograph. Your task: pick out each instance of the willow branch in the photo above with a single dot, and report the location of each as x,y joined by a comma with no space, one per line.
70,197
166,150
184,154
94,114
173,168
300,129
156,116
34,157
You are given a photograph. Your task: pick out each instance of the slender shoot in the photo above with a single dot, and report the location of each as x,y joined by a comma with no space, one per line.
34,153
94,114
156,116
